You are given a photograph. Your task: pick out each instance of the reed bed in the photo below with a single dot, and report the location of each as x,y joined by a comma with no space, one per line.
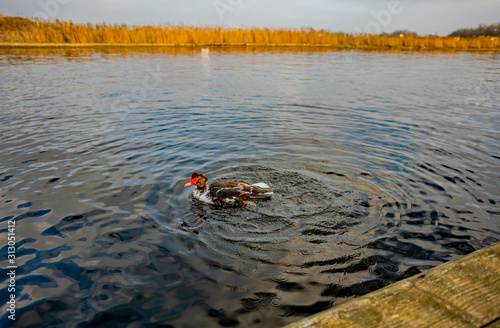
34,31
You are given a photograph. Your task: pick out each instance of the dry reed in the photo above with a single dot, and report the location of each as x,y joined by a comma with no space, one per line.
24,30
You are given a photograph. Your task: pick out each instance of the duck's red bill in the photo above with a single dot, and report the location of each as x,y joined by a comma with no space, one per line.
191,182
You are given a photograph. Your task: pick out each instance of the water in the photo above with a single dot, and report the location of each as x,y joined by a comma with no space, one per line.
384,164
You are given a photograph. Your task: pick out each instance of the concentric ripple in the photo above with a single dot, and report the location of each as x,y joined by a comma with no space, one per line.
383,164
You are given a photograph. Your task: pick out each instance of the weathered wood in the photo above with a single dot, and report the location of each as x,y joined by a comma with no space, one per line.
495,324
461,293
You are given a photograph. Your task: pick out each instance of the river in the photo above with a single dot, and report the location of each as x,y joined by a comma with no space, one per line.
383,164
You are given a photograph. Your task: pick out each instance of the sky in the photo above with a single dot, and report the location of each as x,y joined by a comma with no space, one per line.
350,16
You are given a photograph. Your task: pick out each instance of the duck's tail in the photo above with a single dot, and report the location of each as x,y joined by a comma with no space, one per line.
264,192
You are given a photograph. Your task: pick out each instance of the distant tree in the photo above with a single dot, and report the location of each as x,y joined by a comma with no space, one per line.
481,30
405,32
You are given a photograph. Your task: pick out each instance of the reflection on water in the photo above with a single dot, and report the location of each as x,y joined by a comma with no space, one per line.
384,164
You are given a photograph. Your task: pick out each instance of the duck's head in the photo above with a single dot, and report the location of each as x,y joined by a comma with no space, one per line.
198,180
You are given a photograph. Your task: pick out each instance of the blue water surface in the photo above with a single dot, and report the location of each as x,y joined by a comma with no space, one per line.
383,165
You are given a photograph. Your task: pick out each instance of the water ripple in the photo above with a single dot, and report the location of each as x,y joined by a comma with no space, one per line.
383,164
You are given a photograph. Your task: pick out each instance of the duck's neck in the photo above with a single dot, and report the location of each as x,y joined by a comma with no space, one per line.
201,189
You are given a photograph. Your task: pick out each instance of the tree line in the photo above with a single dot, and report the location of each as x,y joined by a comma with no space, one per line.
481,30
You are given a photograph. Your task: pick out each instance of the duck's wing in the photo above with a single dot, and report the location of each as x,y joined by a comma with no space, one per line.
229,190
228,184
237,191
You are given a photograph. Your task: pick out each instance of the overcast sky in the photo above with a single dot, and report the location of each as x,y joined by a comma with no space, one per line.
375,16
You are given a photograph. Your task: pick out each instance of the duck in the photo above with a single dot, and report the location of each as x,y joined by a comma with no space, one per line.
230,193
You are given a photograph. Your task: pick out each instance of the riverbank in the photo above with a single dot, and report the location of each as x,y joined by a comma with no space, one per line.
19,31
226,45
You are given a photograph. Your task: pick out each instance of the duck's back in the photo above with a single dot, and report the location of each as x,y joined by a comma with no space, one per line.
239,190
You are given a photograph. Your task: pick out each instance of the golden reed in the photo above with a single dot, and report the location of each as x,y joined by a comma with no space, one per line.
24,30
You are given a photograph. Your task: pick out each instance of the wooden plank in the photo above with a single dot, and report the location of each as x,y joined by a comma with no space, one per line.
461,293
495,324
471,286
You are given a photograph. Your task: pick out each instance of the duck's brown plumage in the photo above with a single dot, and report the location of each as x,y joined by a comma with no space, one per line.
227,192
